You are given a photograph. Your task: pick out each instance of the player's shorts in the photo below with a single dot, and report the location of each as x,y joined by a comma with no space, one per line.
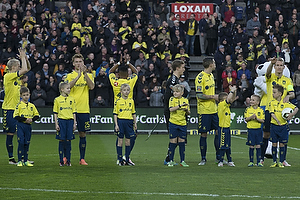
23,133
83,122
254,137
267,123
224,138
126,128
208,122
279,133
9,122
177,131
66,129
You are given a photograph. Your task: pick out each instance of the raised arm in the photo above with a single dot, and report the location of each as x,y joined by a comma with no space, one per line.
24,62
270,67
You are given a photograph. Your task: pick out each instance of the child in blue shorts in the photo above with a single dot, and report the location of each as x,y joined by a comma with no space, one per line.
25,113
125,123
279,127
254,116
179,109
64,110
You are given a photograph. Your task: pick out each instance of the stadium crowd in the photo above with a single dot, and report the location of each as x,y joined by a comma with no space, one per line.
152,36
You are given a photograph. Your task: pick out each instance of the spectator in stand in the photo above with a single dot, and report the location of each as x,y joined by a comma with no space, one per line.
225,33
272,45
244,70
253,24
203,35
163,36
266,27
240,38
227,70
154,82
260,46
212,35
287,6
268,12
60,72
102,87
156,97
142,61
244,89
151,73
35,62
277,53
191,27
220,61
38,96
99,102
286,55
228,81
51,90
139,46
228,10
264,57
250,54
294,27
143,97
8,54
186,85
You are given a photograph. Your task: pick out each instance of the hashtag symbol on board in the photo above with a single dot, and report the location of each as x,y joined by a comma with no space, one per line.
239,119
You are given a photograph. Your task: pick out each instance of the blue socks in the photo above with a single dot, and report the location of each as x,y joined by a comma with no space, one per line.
281,154
20,151
132,142
9,145
251,154
61,150
127,152
82,147
228,154
258,154
203,147
172,150
217,146
222,153
285,151
119,153
26,148
274,154
68,150
181,150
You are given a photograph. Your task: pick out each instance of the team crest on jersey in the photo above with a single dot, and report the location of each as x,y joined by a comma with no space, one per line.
199,88
258,113
70,103
129,104
281,106
15,83
31,108
283,82
116,84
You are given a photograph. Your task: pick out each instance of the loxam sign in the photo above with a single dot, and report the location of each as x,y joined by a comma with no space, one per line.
184,10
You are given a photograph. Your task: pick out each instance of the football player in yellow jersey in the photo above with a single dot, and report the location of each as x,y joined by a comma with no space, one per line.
117,82
254,116
25,113
64,110
207,107
179,108
224,125
125,123
81,82
272,79
279,127
11,83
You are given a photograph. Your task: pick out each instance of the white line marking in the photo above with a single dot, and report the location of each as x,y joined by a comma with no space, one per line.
150,193
297,149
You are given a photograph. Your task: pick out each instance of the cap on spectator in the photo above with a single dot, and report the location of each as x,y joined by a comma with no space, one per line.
267,17
88,65
150,23
182,76
46,9
221,46
176,21
162,1
104,63
167,55
237,47
182,48
135,23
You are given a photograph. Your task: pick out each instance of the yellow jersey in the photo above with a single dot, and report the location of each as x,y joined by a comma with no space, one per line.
124,108
80,91
263,100
224,114
12,85
117,82
260,114
284,81
64,107
205,83
191,29
178,116
27,110
77,32
276,107
122,29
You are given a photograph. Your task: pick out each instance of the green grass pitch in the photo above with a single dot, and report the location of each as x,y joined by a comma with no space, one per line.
149,179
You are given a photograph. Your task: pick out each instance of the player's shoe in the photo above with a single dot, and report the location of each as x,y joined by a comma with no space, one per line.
203,162
122,163
28,164
251,164
280,165
30,161
260,164
225,162
231,164
170,164
61,164
165,162
65,160
12,161
68,164
82,162
220,164
20,164
261,161
130,161
183,164
286,164
274,164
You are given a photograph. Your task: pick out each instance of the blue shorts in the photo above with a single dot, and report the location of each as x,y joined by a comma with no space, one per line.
255,137
9,122
224,138
267,123
279,133
177,131
66,129
83,122
126,128
207,122
23,133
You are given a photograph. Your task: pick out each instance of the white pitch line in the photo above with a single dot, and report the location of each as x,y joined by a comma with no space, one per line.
151,193
297,149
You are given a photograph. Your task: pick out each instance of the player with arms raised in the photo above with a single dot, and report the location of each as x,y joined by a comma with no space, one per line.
206,107
11,83
81,82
